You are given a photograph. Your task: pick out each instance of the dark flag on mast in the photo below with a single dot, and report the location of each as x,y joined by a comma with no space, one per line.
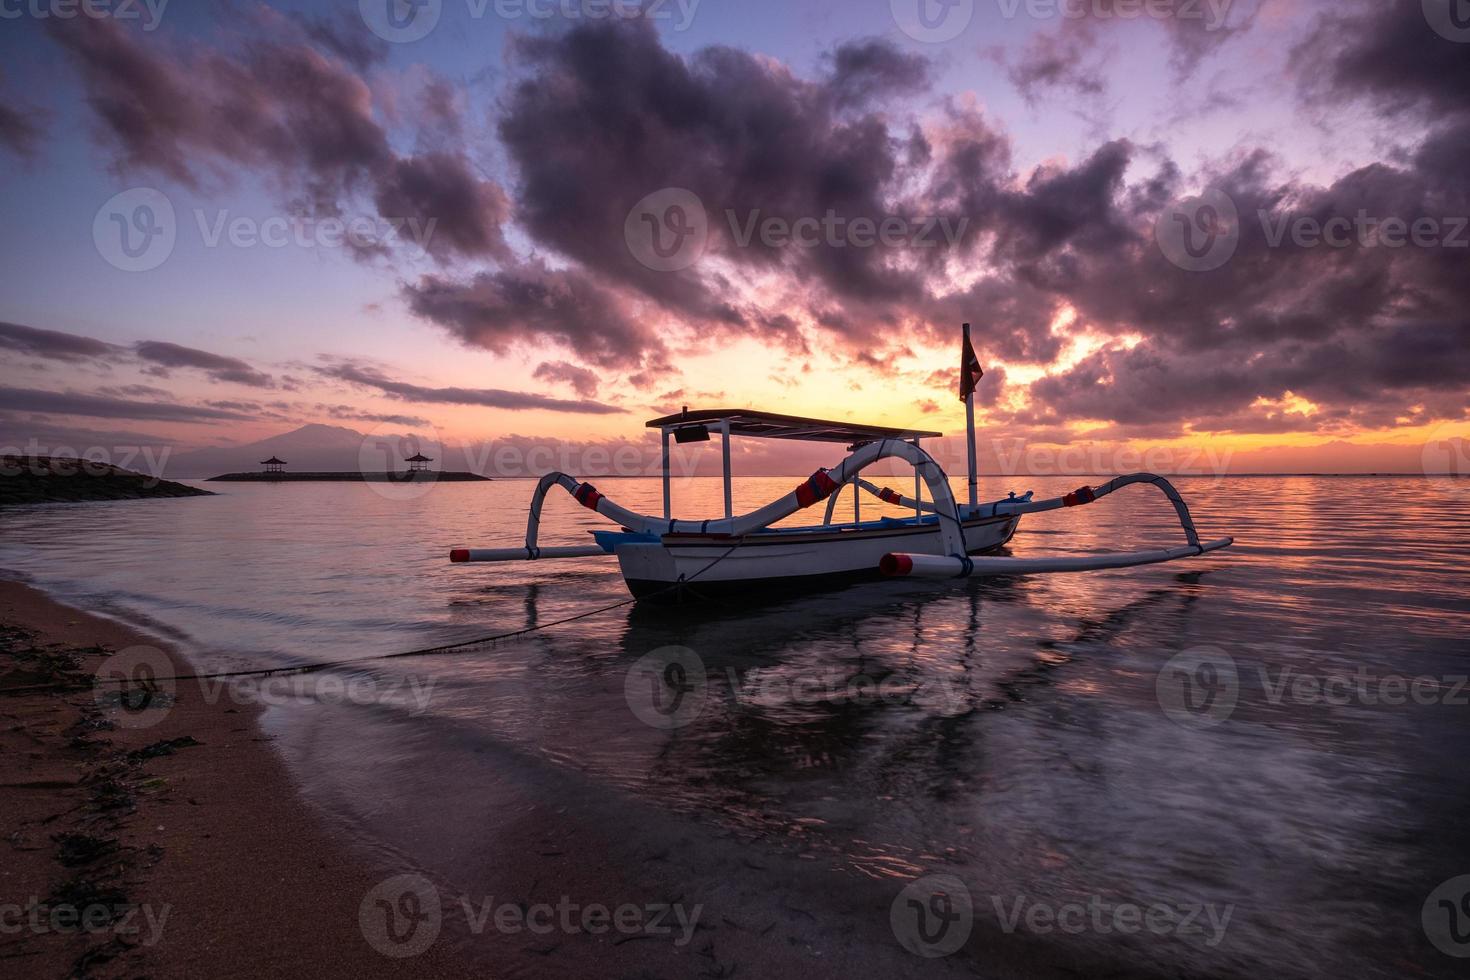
970,371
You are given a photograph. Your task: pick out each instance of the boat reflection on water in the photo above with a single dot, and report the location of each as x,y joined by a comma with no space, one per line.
888,689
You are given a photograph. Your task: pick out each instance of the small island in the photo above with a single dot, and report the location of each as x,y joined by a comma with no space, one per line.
418,472
46,479
396,476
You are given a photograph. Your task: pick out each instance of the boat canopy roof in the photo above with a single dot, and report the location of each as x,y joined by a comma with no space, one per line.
769,425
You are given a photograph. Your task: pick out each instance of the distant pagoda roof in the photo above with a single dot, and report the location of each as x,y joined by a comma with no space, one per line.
273,462
419,458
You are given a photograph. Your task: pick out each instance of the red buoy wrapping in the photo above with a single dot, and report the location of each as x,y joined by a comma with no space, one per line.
819,487
890,496
460,554
1082,495
895,565
587,496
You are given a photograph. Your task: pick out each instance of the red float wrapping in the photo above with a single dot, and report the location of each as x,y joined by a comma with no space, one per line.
1082,495
587,496
819,487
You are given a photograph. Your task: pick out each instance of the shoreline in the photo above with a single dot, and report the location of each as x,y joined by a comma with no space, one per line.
173,843
194,831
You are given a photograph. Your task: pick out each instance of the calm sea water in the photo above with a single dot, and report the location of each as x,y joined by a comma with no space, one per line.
1224,734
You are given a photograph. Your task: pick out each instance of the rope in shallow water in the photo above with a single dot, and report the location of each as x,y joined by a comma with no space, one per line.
313,668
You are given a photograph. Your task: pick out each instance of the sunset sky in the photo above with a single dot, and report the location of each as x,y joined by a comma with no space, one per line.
1061,175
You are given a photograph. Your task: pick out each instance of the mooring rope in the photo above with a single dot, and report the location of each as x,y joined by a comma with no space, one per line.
313,668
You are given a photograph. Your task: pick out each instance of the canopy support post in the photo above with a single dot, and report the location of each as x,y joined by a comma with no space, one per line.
918,486
725,453
668,503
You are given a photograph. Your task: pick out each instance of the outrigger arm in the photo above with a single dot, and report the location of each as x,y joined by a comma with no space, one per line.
821,485
959,565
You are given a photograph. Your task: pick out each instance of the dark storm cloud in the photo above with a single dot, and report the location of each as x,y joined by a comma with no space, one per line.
1071,57
52,344
862,71
276,105
467,212
496,309
349,414
343,35
1385,50
20,130
1057,60
582,381
95,406
1355,329
216,366
20,126
484,397
604,115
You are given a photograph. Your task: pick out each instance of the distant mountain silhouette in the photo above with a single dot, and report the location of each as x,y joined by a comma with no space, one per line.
313,447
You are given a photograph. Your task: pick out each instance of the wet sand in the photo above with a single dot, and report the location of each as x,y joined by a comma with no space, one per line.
207,858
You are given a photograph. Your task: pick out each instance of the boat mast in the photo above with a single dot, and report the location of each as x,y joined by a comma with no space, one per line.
970,433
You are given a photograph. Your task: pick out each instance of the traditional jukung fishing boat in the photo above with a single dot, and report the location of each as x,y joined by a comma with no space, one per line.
668,557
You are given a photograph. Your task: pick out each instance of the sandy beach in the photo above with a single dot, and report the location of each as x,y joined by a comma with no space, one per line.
179,859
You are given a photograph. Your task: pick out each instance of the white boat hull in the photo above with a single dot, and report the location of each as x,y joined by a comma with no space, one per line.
819,557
